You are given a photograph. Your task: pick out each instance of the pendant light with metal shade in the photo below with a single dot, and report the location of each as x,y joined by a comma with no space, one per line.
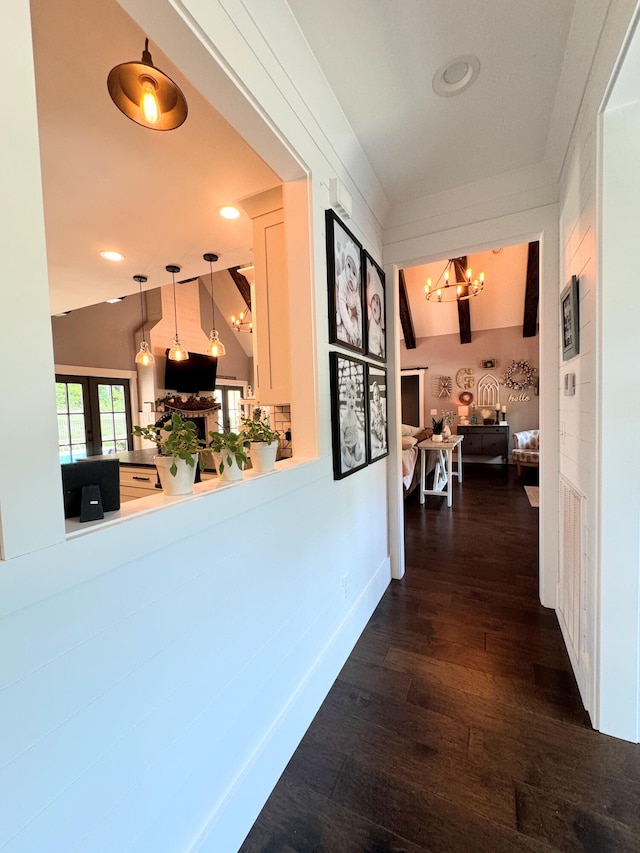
146,95
215,347
144,356
177,351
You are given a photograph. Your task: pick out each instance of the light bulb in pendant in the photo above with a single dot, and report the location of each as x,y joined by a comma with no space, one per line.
177,351
215,347
144,356
149,106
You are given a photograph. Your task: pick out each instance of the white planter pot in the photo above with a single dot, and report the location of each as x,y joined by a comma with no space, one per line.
436,438
231,472
182,483
263,456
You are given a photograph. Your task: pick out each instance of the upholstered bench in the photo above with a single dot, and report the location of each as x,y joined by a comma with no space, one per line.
526,448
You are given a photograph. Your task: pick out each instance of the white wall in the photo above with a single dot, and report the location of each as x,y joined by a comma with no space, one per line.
157,675
598,225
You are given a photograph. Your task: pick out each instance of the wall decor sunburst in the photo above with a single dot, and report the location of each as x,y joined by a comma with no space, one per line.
441,386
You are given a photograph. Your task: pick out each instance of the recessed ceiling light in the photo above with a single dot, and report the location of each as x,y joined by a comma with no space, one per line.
62,314
113,301
456,75
108,255
229,212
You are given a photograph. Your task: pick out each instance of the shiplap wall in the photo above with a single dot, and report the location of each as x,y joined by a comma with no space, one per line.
156,676
578,413
605,652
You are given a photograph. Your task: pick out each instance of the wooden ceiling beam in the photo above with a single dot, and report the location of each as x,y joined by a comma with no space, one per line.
242,284
464,311
405,315
532,292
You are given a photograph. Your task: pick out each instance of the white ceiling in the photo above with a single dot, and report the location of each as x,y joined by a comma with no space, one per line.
380,57
109,183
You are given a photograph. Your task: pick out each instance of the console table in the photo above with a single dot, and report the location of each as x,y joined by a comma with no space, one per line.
486,440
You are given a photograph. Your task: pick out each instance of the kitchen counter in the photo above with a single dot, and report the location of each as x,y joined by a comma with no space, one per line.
144,458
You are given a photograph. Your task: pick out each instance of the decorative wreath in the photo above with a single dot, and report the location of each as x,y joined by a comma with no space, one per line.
466,398
520,375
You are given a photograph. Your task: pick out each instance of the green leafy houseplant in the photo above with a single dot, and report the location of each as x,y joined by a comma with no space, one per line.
258,428
437,426
230,446
176,438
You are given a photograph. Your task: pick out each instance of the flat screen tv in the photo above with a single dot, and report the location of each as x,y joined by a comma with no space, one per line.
196,374
103,473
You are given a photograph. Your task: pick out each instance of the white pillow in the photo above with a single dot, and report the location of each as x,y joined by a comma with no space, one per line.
409,430
408,441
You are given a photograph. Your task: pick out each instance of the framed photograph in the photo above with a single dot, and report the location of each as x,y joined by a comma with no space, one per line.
570,319
344,279
489,363
378,444
375,309
348,415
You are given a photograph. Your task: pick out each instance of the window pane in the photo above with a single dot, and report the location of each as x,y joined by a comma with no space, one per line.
122,444
233,405
76,403
104,398
63,429
106,427
108,447
61,397
78,434
79,451
120,425
117,392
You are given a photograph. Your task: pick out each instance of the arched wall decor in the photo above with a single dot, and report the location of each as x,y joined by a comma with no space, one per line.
488,391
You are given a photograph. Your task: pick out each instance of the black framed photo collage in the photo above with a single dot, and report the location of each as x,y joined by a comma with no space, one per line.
357,323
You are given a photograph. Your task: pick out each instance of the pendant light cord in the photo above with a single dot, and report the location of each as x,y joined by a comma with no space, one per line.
175,306
142,312
213,314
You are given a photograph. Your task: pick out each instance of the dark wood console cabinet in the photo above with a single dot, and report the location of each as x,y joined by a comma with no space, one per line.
488,441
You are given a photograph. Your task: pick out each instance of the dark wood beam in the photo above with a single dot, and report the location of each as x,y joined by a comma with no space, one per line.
405,315
464,312
532,292
242,284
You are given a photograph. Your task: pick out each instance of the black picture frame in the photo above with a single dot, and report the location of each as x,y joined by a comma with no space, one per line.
377,418
348,414
345,284
376,308
570,319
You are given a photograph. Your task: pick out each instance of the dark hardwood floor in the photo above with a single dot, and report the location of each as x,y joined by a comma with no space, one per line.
456,725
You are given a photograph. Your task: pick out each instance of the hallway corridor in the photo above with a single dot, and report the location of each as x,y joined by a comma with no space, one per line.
456,726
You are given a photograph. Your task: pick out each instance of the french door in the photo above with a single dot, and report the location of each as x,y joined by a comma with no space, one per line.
94,416
229,412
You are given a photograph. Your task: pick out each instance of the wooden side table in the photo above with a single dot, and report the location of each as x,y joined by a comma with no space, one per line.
443,471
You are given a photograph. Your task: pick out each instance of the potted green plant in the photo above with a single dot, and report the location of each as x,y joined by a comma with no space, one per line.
263,441
437,429
178,451
229,454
